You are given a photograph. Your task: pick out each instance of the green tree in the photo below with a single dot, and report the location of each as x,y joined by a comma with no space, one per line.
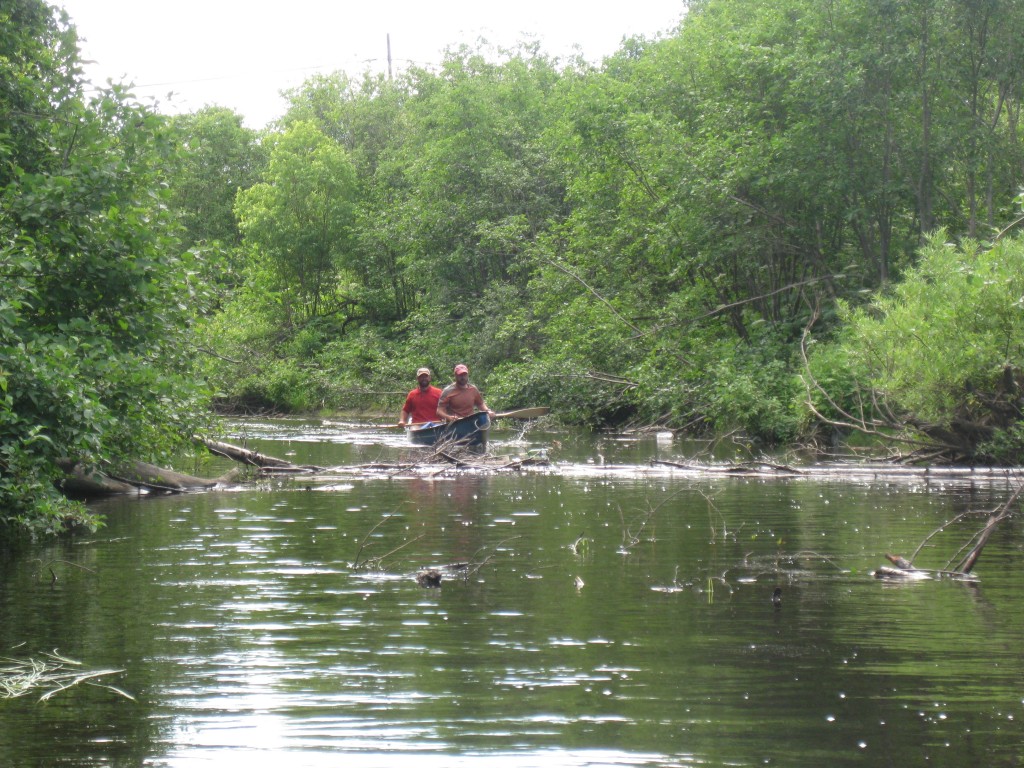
942,354
369,119
218,157
482,184
298,223
95,298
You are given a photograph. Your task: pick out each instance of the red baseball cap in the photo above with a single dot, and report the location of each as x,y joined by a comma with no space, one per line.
460,368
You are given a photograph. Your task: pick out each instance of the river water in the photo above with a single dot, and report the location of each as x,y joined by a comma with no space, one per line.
599,610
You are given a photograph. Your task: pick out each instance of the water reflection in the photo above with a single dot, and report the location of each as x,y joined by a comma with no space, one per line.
603,618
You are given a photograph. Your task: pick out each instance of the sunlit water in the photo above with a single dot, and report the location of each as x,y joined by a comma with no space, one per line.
598,611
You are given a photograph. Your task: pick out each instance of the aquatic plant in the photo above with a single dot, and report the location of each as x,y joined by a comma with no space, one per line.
50,674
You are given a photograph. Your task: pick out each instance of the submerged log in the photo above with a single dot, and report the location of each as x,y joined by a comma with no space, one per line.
81,482
242,455
88,482
906,571
143,475
903,574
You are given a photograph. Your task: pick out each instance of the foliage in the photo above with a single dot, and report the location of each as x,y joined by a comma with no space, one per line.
643,241
369,119
217,157
95,298
297,222
646,241
481,181
946,345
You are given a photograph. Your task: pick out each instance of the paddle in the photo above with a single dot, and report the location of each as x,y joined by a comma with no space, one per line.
522,413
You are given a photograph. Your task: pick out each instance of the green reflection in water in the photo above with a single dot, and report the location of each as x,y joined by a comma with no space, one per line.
247,636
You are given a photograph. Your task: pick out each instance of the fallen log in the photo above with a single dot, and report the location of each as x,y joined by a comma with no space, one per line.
143,475
81,482
906,571
864,470
88,482
254,458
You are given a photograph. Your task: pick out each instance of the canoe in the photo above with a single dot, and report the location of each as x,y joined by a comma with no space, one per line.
467,432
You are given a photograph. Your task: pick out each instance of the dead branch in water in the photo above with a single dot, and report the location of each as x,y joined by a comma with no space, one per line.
905,569
362,543
981,538
254,458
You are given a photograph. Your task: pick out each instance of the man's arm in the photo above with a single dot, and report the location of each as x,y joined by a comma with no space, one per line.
406,414
481,404
442,407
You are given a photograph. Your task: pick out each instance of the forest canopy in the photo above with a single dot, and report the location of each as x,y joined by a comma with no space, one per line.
794,220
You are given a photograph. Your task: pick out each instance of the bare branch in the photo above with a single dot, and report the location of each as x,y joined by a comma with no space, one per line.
598,296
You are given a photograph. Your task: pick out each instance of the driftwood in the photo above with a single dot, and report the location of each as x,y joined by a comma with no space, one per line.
254,458
868,470
87,482
981,538
150,477
906,570
80,481
746,468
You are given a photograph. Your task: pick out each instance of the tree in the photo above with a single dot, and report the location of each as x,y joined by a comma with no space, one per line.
218,157
369,119
481,183
95,297
298,222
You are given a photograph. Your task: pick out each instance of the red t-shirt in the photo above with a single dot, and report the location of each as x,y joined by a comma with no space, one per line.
422,404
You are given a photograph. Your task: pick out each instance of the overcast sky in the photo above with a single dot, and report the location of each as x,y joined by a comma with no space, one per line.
241,54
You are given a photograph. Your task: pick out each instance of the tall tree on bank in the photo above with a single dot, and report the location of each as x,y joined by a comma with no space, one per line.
482,183
369,119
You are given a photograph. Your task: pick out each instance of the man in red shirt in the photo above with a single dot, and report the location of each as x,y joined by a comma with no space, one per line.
421,403
461,398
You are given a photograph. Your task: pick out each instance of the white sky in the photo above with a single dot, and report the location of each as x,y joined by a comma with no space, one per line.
242,54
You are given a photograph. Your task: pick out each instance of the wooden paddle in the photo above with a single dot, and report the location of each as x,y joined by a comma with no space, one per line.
522,413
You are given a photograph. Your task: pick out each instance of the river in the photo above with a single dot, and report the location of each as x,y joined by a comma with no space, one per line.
598,610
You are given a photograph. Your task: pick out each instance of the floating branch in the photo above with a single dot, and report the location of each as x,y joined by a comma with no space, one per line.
362,544
905,569
254,458
49,674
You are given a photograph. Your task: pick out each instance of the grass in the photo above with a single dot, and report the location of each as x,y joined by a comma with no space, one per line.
48,675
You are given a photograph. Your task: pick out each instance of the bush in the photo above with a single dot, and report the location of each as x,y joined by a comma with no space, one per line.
944,347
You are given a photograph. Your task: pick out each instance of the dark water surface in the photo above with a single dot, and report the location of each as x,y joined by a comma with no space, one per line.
610,613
